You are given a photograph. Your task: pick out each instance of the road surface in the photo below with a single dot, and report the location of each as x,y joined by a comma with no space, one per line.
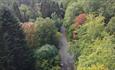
67,62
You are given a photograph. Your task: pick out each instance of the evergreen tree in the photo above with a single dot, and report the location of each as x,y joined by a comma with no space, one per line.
17,11
17,56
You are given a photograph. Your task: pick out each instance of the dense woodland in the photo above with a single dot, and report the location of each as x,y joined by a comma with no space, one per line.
57,35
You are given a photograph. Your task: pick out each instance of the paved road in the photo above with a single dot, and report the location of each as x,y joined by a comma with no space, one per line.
67,62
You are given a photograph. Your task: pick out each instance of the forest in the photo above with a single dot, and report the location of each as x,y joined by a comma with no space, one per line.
57,35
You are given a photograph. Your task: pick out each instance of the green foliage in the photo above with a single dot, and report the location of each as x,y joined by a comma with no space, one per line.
24,8
46,32
93,45
48,7
70,14
57,21
101,51
73,10
111,26
46,52
15,55
47,58
17,11
93,48
65,3
91,30
94,67
104,7
7,3
25,12
100,7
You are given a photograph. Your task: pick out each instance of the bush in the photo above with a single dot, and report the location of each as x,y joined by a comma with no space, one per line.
15,55
47,58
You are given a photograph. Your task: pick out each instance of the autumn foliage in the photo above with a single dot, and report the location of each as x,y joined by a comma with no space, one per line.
79,20
29,29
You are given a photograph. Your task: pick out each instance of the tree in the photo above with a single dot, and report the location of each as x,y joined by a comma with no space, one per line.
57,21
8,3
25,12
17,55
29,29
93,45
17,12
45,8
99,52
111,25
48,7
46,32
91,30
95,67
47,58
103,7
71,12
65,3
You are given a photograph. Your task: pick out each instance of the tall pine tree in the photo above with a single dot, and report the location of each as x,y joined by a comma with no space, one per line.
16,54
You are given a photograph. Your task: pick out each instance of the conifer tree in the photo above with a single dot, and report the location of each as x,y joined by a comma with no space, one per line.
17,56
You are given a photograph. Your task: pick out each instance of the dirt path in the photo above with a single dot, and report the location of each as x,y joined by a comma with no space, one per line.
67,61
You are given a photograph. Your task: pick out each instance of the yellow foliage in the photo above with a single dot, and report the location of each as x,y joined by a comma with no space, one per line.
94,67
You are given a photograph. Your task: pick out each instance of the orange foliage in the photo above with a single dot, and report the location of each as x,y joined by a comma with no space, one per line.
28,27
29,30
79,20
